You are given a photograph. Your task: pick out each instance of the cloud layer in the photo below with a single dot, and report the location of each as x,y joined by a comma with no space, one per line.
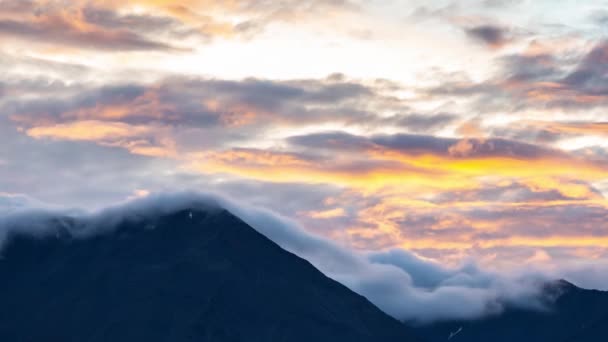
438,195
400,283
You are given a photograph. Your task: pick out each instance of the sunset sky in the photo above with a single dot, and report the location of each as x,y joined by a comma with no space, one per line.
457,130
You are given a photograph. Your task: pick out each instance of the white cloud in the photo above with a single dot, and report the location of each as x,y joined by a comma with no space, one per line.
401,284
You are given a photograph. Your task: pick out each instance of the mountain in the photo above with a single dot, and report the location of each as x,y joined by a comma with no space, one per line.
576,315
192,275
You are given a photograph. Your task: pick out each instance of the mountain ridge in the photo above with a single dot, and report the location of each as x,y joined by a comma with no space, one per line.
573,315
190,275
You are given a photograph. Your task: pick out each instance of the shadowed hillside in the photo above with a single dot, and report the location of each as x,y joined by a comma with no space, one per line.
188,276
577,315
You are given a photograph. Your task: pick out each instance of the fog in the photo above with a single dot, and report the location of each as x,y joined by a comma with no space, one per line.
398,282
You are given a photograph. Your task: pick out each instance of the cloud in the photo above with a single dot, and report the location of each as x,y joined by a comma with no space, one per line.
62,172
421,191
401,284
181,114
143,25
412,149
71,29
327,214
589,78
424,274
553,131
490,35
85,130
542,77
527,190
10,203
145,22
498,155
501,3
426,122
207,102
142,140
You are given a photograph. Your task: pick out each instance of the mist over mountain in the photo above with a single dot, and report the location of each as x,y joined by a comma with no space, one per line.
79,268
187,275
572,315
398,282
184,267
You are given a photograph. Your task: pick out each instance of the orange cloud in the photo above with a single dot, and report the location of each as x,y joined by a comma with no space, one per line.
394,222
60,22
499,166
404,192
574,128
87,130
130,137
327,214
50,22
275,166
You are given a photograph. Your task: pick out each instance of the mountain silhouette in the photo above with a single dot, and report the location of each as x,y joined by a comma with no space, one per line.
192,275
574,315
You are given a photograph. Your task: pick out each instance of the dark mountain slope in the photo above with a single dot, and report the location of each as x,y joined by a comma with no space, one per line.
577,315
181,277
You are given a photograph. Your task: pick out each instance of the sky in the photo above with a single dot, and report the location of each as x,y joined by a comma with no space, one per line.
458,131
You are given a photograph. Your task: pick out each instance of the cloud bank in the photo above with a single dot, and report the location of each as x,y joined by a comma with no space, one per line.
400,283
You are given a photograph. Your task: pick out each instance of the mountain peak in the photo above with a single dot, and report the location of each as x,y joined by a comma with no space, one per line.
565,284
556,288
180,275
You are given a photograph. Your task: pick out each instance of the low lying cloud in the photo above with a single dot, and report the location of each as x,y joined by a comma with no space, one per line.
400,283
